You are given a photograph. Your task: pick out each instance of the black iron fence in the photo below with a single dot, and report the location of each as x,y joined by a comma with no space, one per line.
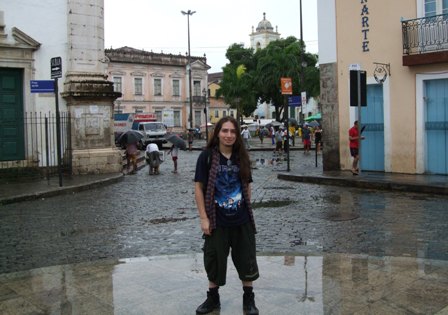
40,157
428,34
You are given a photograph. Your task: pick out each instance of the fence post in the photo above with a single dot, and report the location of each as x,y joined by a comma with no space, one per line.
47,149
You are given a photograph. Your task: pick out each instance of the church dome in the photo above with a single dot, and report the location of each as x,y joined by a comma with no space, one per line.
264,25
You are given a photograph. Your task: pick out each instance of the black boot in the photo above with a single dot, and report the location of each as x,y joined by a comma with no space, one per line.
211,303
249,307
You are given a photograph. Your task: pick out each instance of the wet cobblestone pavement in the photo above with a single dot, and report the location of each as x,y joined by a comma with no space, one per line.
134,247
145,215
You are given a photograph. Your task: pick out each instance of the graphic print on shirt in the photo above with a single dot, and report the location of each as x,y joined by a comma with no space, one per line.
228,193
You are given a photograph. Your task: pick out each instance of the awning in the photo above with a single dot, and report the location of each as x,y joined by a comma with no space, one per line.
314,117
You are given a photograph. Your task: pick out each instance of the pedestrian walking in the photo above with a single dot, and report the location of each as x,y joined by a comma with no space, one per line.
190,136
278,135
223,192
306,138
245,133
174,151
318,138
272,134
260,134
354,138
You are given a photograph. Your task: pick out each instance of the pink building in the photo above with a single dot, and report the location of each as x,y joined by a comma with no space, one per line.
158,83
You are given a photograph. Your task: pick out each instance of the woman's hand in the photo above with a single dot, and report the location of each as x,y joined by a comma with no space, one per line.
205,226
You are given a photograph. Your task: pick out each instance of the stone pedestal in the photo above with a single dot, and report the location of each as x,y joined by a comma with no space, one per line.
96,161
90,99
330,117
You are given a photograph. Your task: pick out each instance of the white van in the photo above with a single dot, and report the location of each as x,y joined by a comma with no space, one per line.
154,132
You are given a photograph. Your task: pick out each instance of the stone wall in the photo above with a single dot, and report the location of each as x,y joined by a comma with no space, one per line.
330,116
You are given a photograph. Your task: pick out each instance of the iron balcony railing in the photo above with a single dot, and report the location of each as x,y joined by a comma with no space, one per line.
424,35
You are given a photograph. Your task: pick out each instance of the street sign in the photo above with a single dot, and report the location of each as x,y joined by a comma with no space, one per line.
42,86
294,101
303,95
56,67
354,66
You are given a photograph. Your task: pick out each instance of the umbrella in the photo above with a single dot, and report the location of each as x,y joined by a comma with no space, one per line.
130,136
313,123
292,122
314,117
273,123
177,141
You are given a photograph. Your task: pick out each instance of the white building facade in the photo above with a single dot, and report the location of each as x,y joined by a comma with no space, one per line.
31,34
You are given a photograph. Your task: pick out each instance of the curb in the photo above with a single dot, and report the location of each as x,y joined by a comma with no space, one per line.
63,190
360,182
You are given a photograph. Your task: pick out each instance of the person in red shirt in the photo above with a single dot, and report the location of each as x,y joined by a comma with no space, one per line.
354,138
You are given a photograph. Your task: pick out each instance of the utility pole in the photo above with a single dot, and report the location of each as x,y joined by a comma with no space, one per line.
188,13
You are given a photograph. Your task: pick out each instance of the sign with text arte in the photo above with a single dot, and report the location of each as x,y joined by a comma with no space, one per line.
294,101
56,67
286,86
42,86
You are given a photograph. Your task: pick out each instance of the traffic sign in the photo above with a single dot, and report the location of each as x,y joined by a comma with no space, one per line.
56,67
42,86
294,101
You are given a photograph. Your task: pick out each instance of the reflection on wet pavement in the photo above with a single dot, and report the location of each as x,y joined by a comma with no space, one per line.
328,284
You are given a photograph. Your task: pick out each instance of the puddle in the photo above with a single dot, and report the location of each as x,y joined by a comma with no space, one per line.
166,220
342,216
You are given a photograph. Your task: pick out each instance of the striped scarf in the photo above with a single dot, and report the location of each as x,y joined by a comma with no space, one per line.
210,208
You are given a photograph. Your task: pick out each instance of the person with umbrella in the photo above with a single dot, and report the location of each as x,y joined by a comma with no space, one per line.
131,156
177,143
130,139
174,151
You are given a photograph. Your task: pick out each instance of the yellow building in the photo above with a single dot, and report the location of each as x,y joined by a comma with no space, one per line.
217,106
403,47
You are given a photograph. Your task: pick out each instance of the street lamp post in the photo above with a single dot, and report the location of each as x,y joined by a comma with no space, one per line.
302,73
188,13
204,92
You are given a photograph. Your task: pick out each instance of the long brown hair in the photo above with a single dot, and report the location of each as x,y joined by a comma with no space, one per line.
238,149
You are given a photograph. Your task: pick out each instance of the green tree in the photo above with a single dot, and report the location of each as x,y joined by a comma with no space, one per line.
260,82
283,58
237,86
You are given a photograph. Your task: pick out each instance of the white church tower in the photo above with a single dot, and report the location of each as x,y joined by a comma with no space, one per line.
263,35
259,39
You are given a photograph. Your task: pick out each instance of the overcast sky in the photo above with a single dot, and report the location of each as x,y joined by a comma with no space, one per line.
160,25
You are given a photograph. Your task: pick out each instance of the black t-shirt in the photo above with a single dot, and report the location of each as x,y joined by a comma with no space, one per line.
229,200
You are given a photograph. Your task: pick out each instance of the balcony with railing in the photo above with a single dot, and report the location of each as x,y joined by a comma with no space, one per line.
425,40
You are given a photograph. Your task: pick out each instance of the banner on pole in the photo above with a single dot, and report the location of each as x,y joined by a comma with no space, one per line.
286,86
